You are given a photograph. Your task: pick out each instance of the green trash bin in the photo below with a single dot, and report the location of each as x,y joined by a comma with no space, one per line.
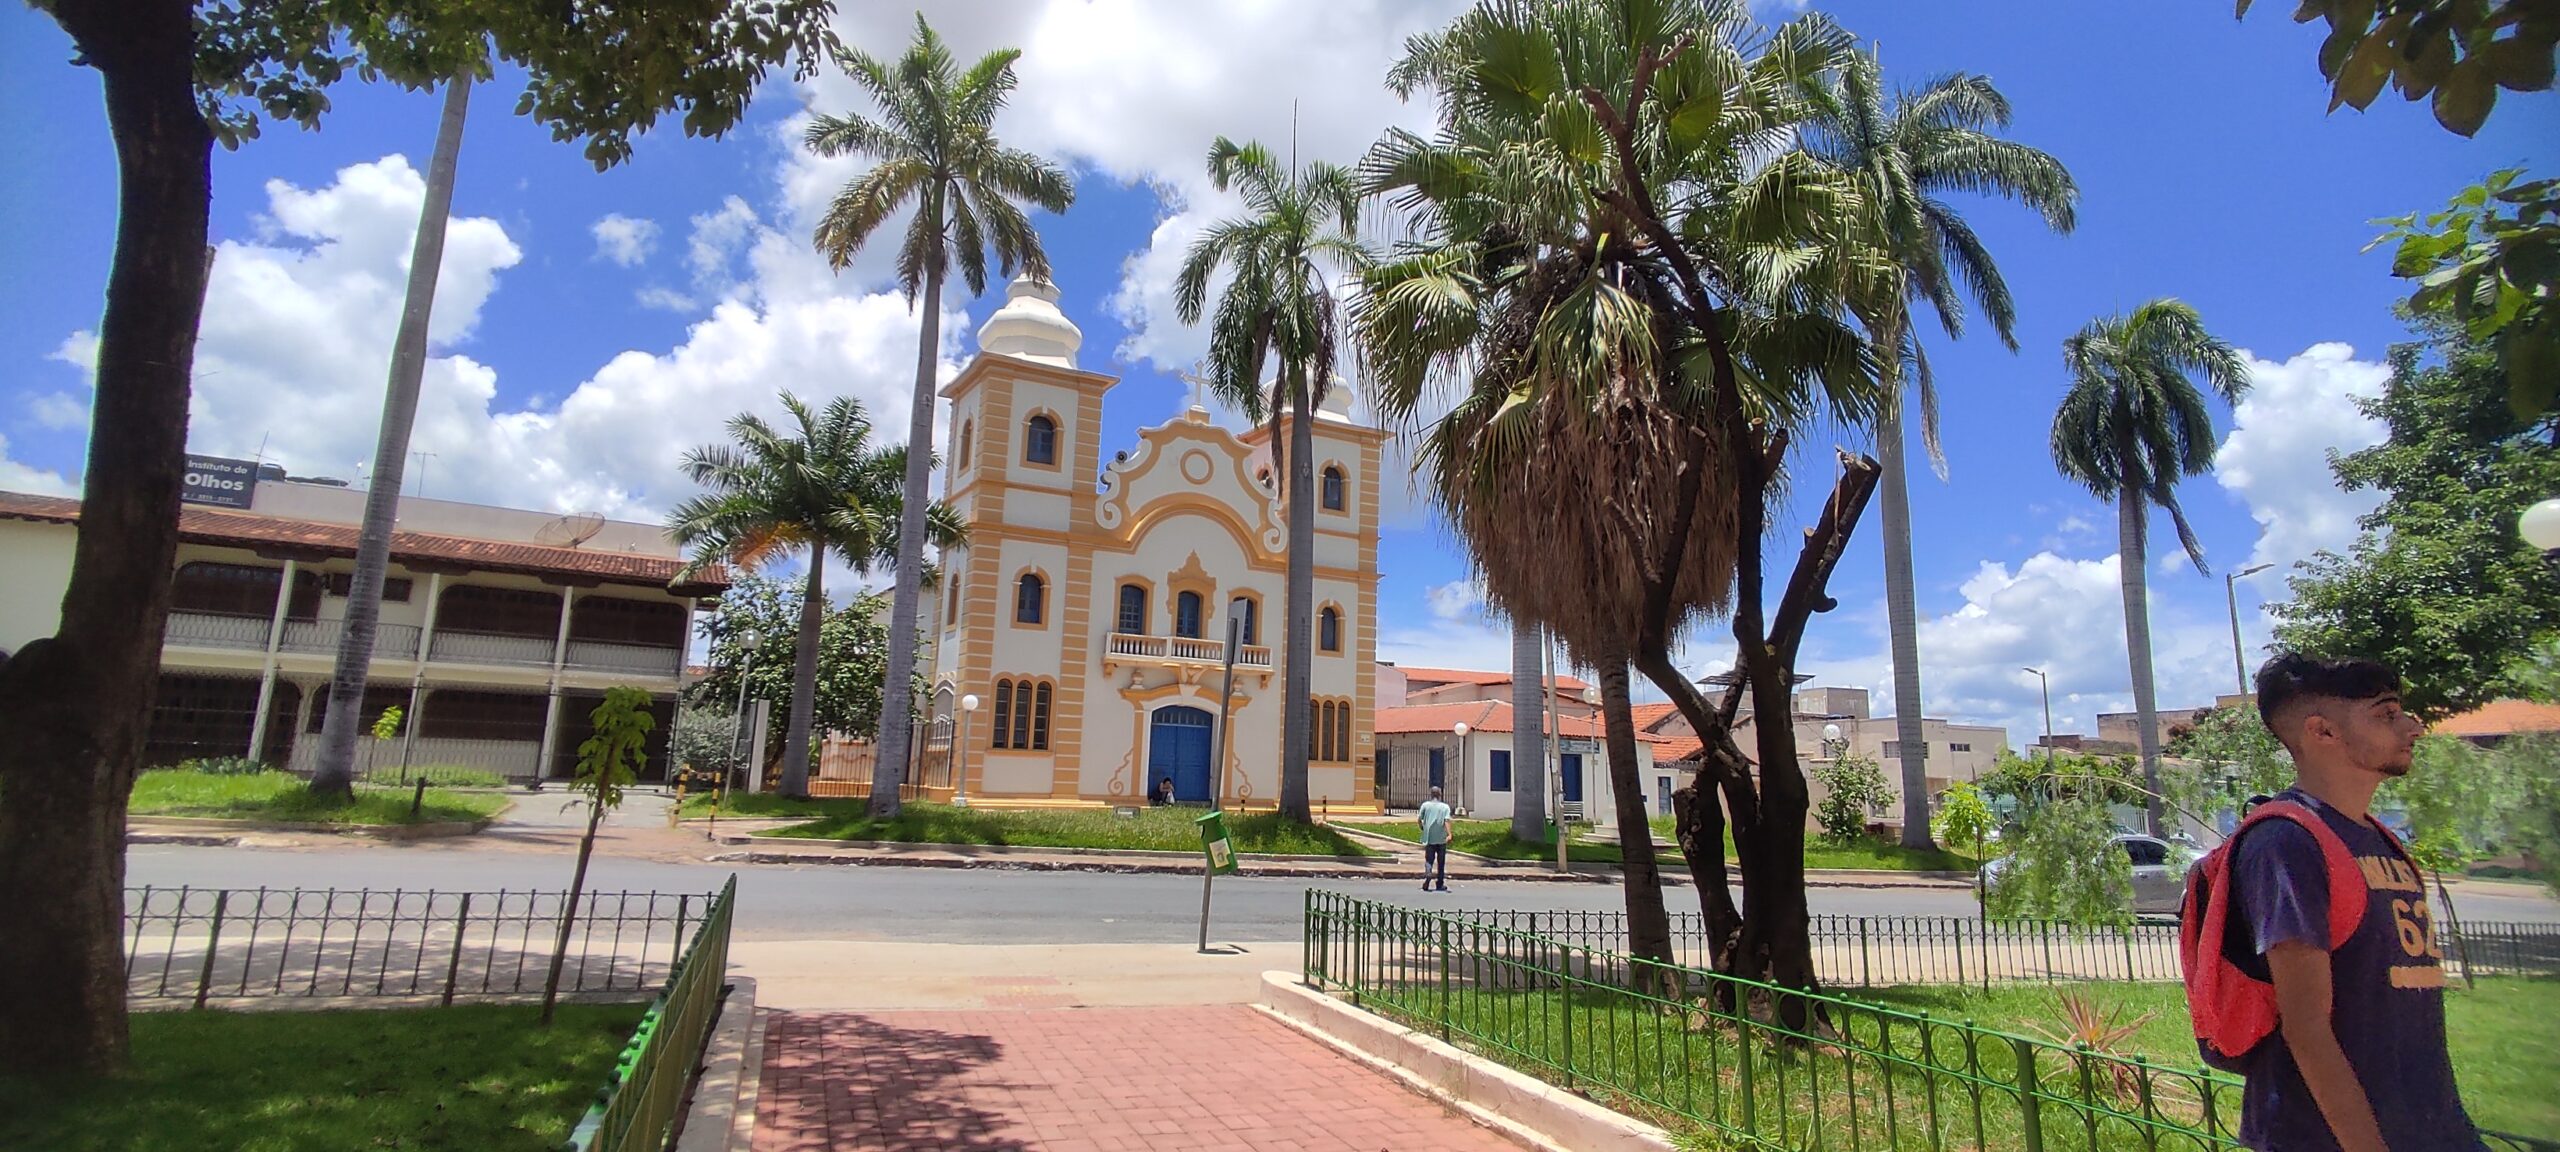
1214,842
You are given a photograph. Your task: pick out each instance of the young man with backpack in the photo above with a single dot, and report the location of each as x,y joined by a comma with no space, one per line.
2312,963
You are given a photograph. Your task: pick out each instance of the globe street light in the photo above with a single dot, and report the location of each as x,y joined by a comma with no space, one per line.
2540,526
1460,729
960,754
1831,742
2231,596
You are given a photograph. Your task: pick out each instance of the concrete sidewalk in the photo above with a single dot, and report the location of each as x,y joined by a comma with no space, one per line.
867,975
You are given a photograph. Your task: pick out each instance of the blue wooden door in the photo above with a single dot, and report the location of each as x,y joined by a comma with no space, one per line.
1439,769
1178,746
1573,777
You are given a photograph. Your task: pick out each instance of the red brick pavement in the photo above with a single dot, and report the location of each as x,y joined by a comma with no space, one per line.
1082,1080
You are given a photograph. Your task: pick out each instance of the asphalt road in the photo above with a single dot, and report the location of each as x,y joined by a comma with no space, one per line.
990,906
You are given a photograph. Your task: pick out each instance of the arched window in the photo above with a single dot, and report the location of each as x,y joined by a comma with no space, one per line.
1030,599
1133,609
1329,630
1324,730
1040,441
968,428
1040,718
1186,615
951,604
1252,613
1332,489
1004,715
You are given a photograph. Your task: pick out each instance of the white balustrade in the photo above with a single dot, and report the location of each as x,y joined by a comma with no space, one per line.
453,647
205,630
642,659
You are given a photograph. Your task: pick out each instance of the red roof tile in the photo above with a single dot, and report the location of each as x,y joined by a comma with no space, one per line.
1430,677
200,525
1481,716
2501,718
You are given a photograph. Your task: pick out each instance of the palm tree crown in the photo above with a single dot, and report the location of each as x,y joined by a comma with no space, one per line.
2134,422
936,149
817,488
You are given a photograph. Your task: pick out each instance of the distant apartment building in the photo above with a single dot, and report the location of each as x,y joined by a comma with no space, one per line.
500,628
1956,751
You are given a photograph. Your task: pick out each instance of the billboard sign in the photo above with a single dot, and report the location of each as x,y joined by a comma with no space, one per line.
218,482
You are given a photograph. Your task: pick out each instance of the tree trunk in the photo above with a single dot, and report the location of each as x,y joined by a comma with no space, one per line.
569,911
1902,609
897,694
804,683
1299,684
74,706
336,772
1648,926
1528,734
1699,826
2130,562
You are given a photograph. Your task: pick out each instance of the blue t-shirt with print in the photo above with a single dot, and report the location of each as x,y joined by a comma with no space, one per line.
2387,989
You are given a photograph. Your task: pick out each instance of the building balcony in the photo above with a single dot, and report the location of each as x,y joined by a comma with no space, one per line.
489,648
1130,648
249,634
635,659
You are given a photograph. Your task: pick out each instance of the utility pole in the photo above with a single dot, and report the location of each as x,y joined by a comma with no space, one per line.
2231,596
2046,686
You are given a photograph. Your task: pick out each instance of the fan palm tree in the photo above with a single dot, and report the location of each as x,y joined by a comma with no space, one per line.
1528,733
815,488
1905,155
2133,424
938,155
1588,155
1279,301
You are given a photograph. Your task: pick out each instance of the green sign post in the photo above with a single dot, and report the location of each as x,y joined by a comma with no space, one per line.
1214,842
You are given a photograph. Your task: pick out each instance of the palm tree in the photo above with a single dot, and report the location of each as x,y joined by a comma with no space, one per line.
1904,157
937,152
2131,426
1529,732
1279,301
818,487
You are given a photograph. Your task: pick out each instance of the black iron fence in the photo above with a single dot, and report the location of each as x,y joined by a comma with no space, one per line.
203,944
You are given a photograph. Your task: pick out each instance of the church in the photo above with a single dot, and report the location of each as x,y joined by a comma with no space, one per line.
1085,615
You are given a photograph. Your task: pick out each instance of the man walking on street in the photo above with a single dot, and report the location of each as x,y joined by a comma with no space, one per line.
2357,1060
1435,842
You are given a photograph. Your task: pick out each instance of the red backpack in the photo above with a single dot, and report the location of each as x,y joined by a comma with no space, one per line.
2233,1010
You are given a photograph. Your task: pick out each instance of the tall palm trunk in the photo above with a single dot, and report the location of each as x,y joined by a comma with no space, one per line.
1299,684
336,772
1528,734
1903,616
897,704
1648,925
2137,642
804,681
74,706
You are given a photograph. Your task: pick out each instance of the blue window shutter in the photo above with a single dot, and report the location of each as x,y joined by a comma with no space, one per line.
1501,770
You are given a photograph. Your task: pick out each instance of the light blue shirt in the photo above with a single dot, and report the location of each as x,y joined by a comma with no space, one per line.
1435,822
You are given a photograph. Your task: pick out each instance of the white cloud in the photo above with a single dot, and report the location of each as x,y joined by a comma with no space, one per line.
298,328
59,411
1974,656
17,477
1459,632
625,240
2276,458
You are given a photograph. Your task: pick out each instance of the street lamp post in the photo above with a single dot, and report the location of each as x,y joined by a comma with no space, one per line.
960,754
2045,686
1831,742
1460,729
2231,596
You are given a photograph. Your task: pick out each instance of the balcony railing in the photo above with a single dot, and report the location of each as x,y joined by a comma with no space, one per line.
203,630
1184,650
390,641
490,648
640,659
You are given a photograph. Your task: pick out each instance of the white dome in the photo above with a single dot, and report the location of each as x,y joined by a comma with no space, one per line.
1336,404
1030,327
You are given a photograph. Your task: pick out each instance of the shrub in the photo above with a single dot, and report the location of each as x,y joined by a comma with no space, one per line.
224,766
1855,788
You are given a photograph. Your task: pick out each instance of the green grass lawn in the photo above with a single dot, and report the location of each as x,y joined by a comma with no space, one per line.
2505,1054
1492,838
1161,829
282,796
464,1078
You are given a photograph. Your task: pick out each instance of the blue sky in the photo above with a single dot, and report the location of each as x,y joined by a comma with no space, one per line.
592,325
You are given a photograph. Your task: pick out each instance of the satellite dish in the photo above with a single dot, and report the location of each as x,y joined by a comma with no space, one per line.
569,531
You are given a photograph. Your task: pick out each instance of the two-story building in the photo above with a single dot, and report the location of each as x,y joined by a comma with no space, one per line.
1086,613
500,628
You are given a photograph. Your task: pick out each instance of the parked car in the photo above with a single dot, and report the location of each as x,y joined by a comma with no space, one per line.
2159,873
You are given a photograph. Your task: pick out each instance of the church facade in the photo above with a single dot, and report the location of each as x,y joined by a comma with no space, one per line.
1086,614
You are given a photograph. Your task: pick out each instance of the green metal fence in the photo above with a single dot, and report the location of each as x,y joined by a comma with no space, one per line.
636,1109
1760,1064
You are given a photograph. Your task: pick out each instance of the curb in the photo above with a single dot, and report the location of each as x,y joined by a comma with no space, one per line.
182,839
1528,1111
185,824
722,1116
1024,864
899,847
